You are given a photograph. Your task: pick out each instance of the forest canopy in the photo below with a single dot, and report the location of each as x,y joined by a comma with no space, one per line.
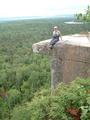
25,77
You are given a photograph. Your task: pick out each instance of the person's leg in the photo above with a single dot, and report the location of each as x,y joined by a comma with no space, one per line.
53,42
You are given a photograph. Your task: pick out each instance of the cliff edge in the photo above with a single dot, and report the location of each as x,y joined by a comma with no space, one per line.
70,58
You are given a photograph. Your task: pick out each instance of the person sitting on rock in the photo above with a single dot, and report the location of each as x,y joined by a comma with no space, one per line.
55,37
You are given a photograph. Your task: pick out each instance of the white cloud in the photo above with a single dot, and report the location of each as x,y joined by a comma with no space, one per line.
12,8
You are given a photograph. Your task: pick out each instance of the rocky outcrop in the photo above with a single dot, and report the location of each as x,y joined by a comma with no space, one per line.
70,58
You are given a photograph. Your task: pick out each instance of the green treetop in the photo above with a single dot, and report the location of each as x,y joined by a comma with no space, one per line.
84,17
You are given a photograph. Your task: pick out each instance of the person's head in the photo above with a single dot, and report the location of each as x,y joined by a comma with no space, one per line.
55,28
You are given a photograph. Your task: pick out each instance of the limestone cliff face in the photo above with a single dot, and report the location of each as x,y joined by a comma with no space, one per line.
70,58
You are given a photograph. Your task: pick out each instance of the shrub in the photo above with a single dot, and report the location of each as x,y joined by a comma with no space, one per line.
14,97
73,96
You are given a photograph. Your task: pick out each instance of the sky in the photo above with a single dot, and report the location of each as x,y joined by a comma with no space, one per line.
19,8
